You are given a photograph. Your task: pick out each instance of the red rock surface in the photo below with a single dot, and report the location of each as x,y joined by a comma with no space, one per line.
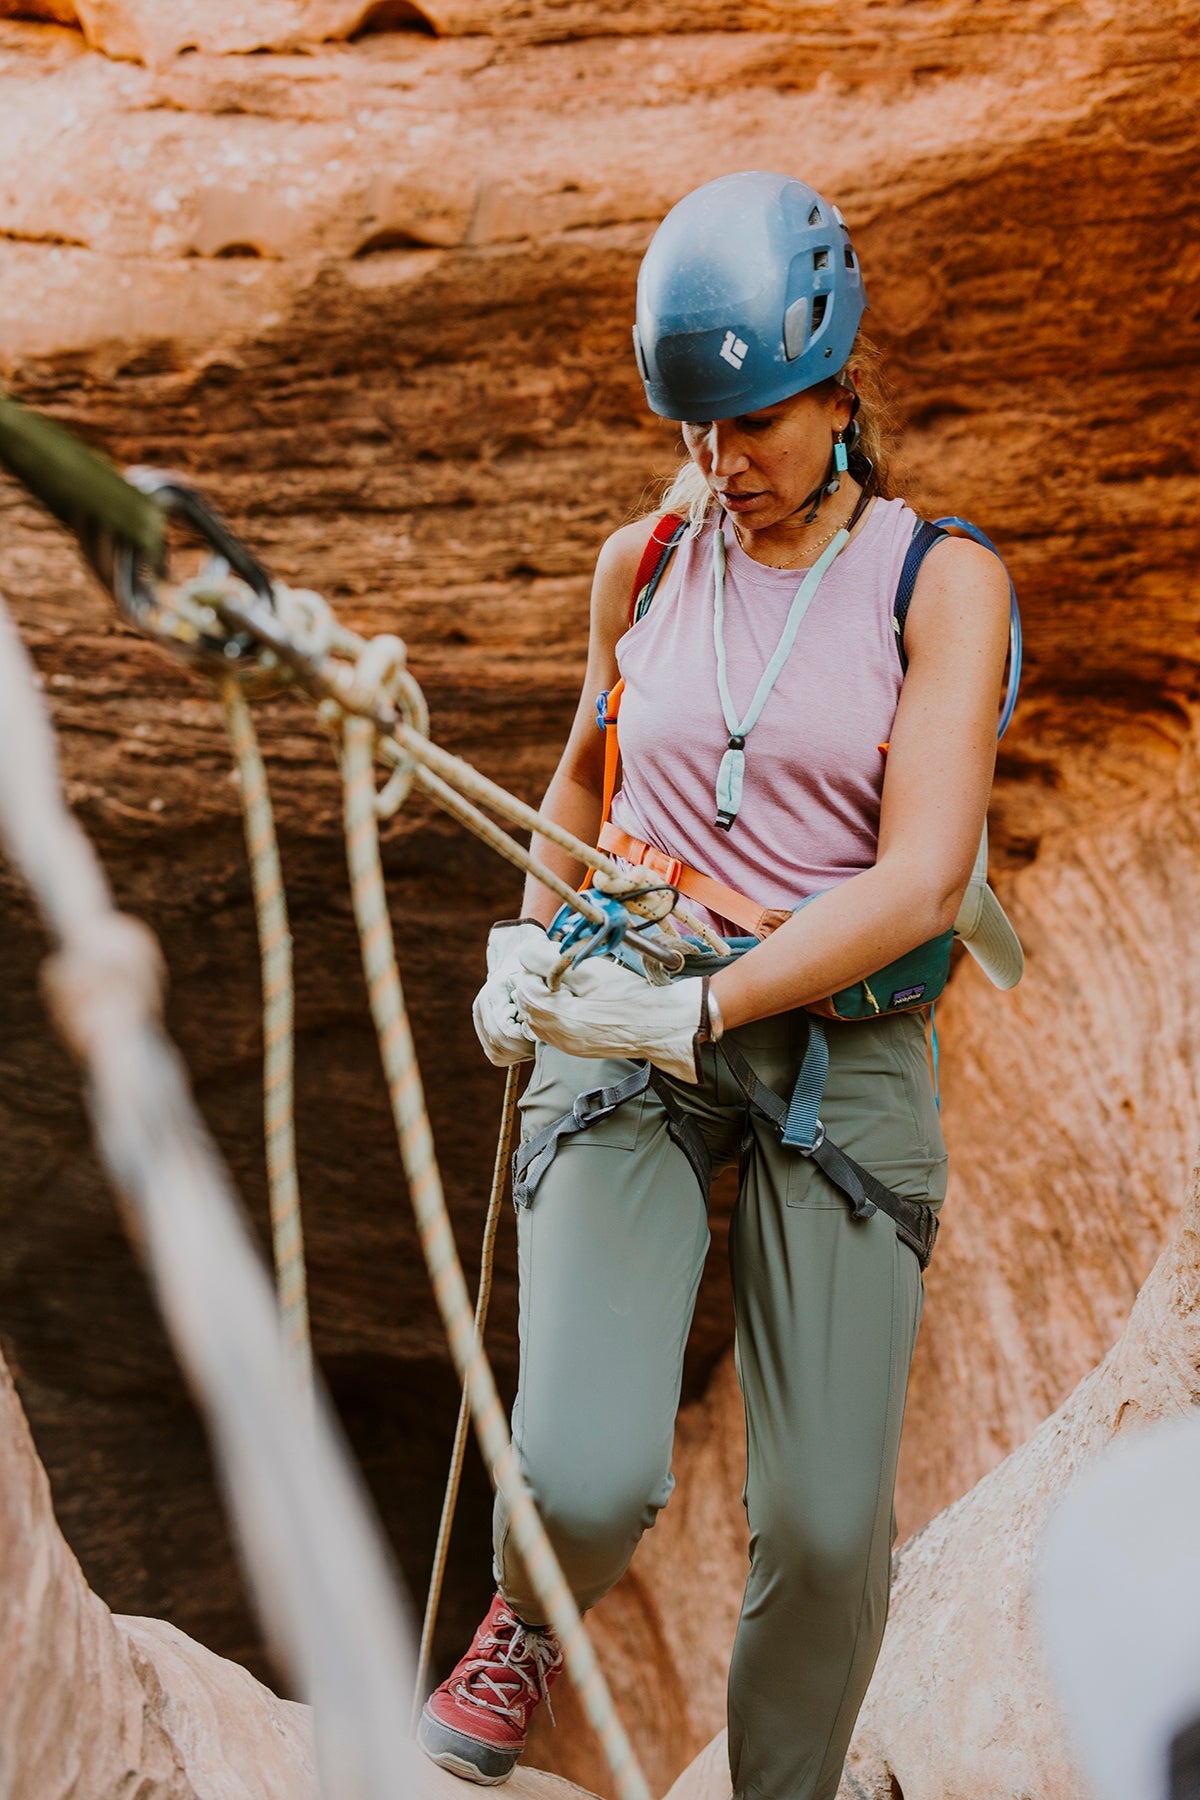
371,285
106,1706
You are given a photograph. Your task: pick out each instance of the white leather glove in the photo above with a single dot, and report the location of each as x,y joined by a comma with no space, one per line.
602,1009
505,1037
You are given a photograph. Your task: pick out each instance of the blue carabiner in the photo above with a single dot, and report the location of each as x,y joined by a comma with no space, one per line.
574,931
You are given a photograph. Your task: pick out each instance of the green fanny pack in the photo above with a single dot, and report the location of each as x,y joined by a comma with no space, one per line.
913,980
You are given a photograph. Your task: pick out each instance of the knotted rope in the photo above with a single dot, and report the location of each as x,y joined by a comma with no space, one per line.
313,1553
242,624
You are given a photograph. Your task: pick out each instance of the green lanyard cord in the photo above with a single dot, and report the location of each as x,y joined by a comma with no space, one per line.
733,763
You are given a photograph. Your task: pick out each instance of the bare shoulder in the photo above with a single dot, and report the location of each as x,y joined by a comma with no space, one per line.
621,552
616,571
961,587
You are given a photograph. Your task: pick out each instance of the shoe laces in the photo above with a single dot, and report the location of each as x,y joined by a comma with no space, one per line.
528,1656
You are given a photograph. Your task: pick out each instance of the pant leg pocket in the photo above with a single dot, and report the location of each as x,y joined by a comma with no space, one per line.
922,1179
556,1084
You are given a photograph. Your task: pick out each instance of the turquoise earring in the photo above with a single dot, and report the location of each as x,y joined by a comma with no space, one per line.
841,462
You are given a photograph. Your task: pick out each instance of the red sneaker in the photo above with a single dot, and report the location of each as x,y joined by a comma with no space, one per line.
475,1724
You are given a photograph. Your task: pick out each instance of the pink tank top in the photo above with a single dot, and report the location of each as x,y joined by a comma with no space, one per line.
809,815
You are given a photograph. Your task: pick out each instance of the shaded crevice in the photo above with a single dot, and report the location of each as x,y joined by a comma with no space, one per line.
381,241
390,16
53,240
936,412
42,12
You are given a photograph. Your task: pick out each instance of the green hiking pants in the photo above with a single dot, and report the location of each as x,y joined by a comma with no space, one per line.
610,1254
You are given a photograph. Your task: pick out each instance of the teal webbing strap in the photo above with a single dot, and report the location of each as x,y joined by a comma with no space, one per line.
800,1126
733,763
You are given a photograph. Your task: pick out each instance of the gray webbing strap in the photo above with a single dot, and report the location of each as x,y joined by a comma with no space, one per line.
684,1132
916,1225
531,1160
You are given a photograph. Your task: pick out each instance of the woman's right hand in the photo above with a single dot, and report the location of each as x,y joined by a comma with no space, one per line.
505,1037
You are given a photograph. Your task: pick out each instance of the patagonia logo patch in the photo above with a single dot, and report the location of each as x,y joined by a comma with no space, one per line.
907,996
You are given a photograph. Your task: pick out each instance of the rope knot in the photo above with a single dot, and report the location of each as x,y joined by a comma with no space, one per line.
381,679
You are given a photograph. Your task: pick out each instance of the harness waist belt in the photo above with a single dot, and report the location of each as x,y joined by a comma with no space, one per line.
726,902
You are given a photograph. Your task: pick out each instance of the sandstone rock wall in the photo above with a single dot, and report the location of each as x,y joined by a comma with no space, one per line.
366,273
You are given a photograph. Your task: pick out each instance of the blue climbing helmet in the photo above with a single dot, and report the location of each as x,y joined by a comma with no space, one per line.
750,291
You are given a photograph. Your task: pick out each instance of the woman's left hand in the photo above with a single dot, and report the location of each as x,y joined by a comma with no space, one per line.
602,1009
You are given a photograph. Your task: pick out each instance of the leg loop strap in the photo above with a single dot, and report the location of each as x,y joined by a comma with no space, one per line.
531,1160
802,1124
800,1128
684,1131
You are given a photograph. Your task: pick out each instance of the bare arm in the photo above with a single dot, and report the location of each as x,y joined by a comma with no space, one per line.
576,790
935,794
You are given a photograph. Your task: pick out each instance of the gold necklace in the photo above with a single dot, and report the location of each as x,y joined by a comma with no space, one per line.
805,552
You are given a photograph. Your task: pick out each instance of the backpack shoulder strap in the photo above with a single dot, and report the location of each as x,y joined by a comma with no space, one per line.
668,529
924,537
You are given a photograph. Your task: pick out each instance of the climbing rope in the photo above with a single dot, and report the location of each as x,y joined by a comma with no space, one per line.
483,1296
275,951
386,998
366,686
318,1569
234,624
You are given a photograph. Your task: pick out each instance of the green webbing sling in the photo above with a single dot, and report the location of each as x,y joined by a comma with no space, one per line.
81,488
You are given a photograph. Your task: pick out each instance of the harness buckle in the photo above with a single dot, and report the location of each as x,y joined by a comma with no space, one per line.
818,1140
669,867
590,1108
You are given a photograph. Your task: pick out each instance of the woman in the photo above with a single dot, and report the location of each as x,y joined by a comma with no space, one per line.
775,737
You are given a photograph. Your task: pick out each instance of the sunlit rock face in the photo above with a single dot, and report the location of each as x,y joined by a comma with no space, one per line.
366,273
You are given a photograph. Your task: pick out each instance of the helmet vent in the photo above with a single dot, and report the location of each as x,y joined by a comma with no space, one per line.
820,302
849,257
815,216
820,259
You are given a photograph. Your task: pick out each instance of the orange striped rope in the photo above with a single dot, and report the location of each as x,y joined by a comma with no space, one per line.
415,1136
275,950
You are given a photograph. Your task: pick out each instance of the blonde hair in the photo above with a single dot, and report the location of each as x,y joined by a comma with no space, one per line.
689,495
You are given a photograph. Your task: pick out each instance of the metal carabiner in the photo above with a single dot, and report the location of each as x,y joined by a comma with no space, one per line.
131,579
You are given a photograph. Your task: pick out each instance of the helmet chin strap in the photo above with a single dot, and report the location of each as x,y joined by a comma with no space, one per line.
844,442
